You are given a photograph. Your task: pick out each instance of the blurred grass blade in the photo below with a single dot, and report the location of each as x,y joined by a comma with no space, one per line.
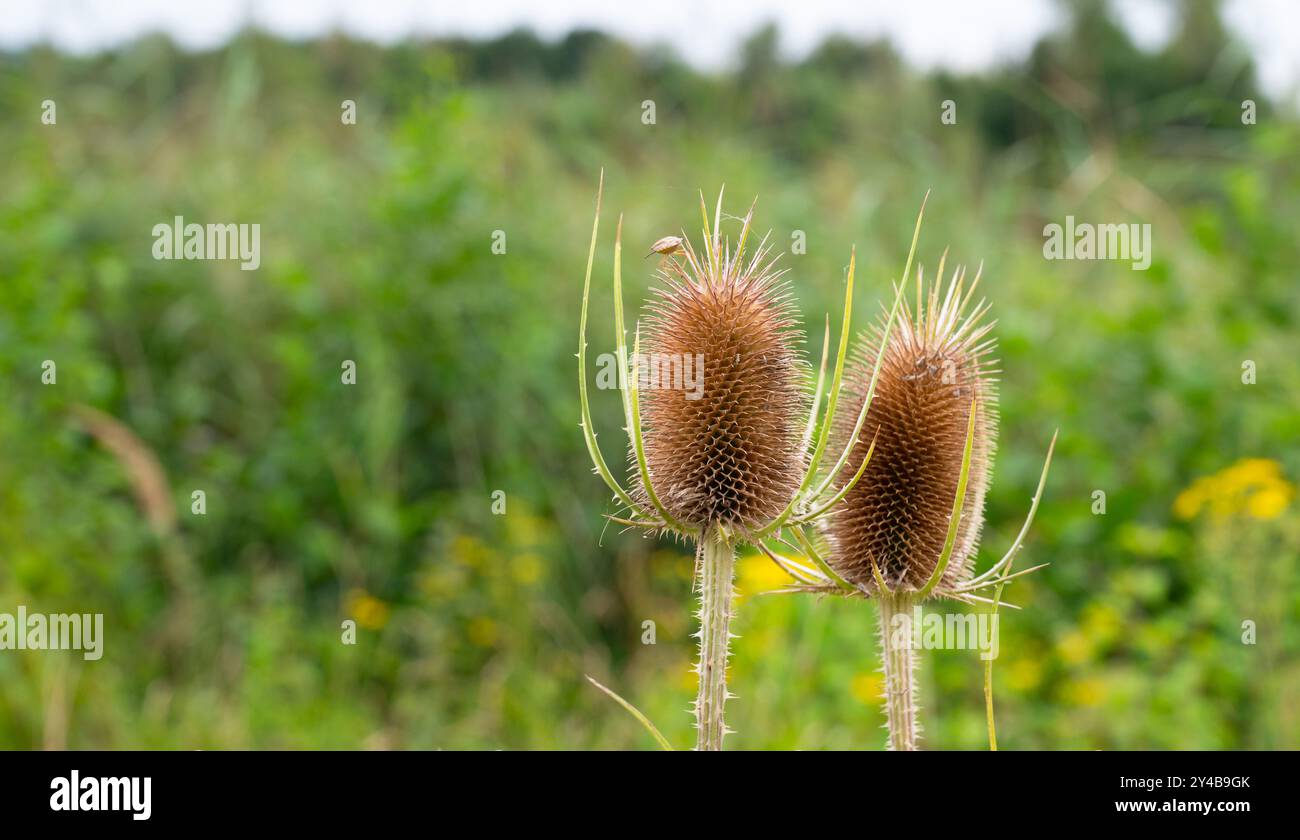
148,481
636,713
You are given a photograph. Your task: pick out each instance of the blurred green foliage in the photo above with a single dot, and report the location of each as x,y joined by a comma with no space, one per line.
372,502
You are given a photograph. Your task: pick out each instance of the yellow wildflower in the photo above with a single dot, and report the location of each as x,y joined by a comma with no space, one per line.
757,574
1090,691
368,611
527,568
1075,648
1025,675
868,687
482,631
1254,487
1270,502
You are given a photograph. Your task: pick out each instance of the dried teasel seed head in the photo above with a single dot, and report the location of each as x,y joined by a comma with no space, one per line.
937,361
721,387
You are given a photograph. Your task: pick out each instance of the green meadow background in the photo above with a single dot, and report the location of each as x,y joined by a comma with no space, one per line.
372,502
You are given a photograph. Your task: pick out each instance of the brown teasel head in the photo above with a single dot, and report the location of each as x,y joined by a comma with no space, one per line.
721,388
938,359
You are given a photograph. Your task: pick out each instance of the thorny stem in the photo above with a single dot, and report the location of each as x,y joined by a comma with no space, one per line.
899,657
716,570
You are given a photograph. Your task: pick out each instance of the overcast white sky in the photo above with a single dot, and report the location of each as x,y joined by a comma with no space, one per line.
953,33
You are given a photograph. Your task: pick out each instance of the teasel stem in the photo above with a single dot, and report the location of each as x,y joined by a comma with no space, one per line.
899,656
716,572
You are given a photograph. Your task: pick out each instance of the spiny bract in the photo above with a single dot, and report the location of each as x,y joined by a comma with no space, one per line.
937,361
727,454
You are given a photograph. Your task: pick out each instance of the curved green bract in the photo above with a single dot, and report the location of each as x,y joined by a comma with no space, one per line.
593,449
959,499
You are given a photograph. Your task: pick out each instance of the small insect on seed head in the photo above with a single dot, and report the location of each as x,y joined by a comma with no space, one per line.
667,246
